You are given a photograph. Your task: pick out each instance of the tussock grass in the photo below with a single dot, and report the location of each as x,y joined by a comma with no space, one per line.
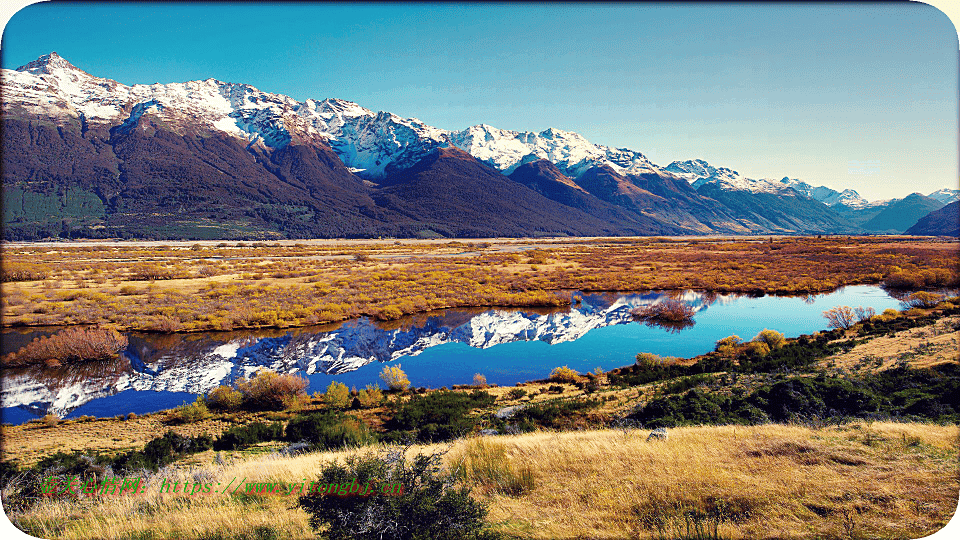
174,287
860,480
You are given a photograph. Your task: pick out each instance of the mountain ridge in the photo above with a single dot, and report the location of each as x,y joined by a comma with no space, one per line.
322,168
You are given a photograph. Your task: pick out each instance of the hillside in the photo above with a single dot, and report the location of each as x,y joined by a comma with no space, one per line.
942,222
902,214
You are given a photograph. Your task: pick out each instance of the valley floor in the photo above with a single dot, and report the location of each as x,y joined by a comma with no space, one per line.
200,286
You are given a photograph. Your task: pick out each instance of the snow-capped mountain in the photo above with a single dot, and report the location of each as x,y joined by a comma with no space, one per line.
945,195
197,366
698,172
368,142
286,168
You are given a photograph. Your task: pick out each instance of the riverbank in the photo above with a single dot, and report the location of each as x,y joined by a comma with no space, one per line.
191,286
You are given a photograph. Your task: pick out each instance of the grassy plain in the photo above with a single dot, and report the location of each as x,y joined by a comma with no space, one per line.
194,286
860,480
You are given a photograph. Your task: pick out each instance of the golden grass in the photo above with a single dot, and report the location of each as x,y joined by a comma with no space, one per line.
923,346
190,286
862,480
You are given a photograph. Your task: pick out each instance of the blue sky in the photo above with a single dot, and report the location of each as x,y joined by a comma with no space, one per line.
859,95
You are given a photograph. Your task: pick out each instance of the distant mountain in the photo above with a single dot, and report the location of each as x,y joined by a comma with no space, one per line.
942,222
946,196
902,214
86,156
546,179
784,214
450,193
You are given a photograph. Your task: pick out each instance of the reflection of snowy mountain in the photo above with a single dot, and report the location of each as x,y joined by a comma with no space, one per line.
198,364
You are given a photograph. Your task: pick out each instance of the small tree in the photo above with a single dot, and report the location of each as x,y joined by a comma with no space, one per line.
840,317
371,396
564,374
395,378
728,345
479,380
772,338
224,398
865,313
337,396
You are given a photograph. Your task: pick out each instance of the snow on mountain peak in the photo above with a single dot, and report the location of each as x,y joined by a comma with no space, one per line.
47,65
945,195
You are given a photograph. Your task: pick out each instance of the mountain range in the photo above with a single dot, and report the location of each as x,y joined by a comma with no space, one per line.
85,156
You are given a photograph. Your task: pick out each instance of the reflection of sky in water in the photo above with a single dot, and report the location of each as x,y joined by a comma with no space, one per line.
612,344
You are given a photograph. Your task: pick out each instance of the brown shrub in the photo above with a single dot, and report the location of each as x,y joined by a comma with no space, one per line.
669,310
71,345
268,390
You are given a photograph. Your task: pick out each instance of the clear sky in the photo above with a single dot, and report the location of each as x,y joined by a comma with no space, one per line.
863,96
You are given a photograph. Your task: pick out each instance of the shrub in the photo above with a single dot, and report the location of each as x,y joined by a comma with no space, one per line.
189,414
758,348
371,396
564,375
517,393
395,378
773,339
728,345
224,398
554,414
73,344
840,317
672,315
865,313
479,380
161,451
437,416
268,390
328,430
428,505
337,395
242,436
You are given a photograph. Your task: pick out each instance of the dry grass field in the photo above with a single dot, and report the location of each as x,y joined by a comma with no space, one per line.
860,480
220,286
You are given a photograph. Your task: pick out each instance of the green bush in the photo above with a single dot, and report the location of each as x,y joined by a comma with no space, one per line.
189,414
243,436
337,395
329,430
555,414
428,507
224,398
437,416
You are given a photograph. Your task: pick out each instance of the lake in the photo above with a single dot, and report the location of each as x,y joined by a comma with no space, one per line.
443,348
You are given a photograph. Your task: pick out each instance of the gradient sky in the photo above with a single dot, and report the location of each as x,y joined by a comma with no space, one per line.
863,96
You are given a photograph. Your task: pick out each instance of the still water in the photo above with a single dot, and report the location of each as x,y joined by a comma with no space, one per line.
437,349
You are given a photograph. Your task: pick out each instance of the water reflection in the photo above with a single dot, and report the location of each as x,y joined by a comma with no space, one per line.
157,371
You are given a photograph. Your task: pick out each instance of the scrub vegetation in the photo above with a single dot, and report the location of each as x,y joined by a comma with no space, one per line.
190,286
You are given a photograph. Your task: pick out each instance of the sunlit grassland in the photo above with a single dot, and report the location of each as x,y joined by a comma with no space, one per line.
859,480
222,286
